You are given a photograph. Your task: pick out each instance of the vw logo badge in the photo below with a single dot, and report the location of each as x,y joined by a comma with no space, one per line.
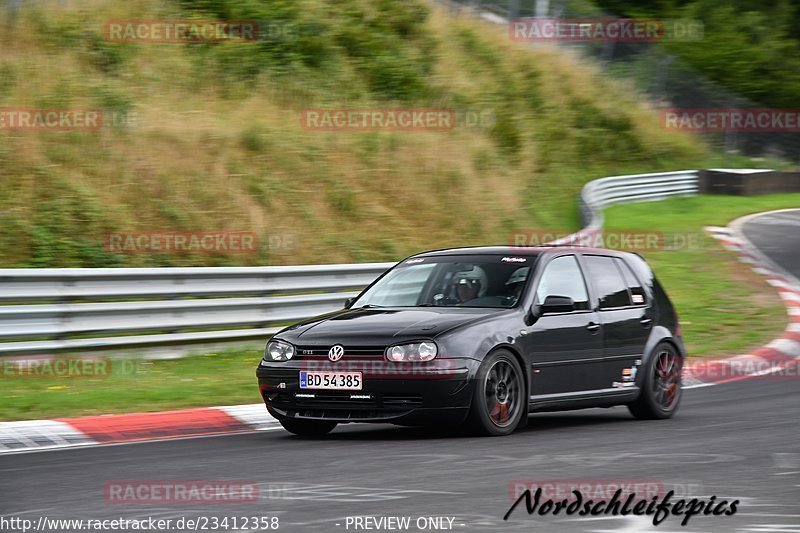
336,352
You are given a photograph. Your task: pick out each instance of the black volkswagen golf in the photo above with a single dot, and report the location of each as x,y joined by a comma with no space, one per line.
482,337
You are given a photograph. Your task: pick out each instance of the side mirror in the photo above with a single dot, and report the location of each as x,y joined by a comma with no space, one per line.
349,302
557,304
533,314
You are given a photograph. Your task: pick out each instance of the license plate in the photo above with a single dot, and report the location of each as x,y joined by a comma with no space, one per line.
331,380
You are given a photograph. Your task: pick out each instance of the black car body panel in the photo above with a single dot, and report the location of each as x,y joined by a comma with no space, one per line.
586,357
396,325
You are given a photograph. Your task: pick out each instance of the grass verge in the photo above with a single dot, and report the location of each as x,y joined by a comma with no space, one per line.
724,307
221,378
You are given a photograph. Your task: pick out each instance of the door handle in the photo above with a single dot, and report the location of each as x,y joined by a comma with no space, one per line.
592,327
645,321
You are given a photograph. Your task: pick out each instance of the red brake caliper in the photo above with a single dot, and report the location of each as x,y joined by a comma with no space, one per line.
503,411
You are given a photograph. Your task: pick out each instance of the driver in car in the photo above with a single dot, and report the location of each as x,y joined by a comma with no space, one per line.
515,284
470,285
468,290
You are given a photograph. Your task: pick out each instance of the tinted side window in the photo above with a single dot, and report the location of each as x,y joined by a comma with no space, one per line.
637,291
562,277
611,288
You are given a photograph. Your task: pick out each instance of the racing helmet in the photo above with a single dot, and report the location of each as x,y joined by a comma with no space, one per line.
474,275
518,276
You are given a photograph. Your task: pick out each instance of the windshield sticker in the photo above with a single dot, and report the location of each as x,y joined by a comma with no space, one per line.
412,261
514,260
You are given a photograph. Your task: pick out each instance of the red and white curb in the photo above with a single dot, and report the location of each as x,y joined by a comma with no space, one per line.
779,357
40,435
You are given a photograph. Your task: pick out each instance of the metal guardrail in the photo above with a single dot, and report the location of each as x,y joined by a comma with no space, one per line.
603,192
83,309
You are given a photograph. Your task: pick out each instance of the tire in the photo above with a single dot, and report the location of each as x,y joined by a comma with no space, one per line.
308,428
661,385
498,399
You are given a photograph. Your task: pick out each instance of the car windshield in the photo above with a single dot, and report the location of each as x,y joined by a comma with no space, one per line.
493,281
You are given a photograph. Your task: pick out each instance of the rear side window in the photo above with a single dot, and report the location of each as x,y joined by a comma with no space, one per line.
637,291
608,281
562,277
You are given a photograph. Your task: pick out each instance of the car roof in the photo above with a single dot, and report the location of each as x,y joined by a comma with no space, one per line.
519,250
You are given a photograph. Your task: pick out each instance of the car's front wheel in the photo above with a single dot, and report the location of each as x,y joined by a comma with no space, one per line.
308,428
499,395
661,385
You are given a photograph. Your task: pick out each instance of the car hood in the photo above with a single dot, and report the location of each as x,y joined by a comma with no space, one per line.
383,325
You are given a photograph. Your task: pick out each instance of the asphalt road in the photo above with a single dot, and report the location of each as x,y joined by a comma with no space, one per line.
777,235
737,441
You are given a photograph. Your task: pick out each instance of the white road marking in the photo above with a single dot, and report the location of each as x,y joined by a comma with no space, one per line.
337,493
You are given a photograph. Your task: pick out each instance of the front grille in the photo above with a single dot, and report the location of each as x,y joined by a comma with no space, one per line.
350,414
397,400
346,400
354,351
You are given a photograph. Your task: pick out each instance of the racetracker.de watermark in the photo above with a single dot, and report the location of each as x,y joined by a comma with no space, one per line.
627,240
732,119
177,242
50,119
176,492
751,367
604,30
400,119
180,31
601,489
43,367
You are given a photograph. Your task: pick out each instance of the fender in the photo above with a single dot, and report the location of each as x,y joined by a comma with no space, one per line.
657,335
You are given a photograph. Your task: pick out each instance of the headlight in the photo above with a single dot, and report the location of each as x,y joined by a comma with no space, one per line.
278,351
415,351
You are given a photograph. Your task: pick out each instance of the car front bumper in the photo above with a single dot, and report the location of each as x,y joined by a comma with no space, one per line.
439,391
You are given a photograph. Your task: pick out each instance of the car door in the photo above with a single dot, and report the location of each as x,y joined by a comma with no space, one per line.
565,349
626,316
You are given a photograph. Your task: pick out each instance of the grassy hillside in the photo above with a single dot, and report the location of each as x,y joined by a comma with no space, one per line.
217,143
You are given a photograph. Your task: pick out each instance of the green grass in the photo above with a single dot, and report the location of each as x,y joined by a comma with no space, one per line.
225,377
724,307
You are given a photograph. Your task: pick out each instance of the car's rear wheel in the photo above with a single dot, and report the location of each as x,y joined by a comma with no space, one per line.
498,401
661,385
308,428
